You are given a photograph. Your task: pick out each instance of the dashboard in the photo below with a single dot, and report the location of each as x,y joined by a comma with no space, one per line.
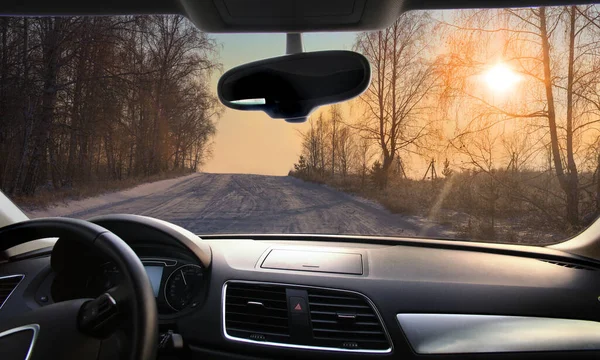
267,297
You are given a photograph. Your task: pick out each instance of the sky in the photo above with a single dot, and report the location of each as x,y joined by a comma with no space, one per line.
250,141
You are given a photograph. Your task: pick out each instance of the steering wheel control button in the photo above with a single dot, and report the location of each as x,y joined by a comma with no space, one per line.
98,317
297,305
170,341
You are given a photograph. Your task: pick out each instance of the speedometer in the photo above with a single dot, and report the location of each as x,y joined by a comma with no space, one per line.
183,285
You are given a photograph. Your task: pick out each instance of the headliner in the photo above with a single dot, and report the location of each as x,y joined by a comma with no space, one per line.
263,15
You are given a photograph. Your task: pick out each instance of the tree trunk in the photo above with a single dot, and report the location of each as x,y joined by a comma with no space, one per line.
75,111
27,113
4,67
572,182
334,119
598,185
566,184
385,169
38,164
4,130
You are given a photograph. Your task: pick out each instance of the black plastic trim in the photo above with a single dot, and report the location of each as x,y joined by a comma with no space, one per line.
15,288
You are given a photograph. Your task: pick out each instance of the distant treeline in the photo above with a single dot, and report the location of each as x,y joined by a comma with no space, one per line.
506,204
86,99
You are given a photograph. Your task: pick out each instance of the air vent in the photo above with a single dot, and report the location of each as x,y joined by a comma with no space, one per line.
345,320
257,312
8,284
569,265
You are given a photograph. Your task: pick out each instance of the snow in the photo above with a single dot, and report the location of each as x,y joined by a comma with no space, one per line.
76,206
207,203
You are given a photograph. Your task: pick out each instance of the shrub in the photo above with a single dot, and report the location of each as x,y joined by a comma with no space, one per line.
377,175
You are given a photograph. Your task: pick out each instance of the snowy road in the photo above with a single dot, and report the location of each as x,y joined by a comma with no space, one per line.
239,203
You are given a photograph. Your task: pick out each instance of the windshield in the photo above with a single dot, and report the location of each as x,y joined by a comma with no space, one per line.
477,125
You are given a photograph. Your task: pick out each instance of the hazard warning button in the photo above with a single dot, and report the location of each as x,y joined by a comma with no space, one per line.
297,305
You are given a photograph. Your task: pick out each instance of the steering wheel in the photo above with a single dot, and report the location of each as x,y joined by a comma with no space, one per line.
75,329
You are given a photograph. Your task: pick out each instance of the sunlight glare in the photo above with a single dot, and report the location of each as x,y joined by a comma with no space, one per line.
501,78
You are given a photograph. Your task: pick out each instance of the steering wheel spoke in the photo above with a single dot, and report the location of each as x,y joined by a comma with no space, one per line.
122,297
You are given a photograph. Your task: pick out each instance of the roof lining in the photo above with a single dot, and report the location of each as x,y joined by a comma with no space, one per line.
376,14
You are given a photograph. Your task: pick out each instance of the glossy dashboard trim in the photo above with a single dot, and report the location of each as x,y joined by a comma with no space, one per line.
430,334
31,327
163,261
295,346
13,290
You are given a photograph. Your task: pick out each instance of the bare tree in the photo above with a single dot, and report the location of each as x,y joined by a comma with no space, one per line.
315,145
346,149
364,155
403,76
335,114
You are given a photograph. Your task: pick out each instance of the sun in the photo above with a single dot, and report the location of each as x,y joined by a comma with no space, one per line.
501,78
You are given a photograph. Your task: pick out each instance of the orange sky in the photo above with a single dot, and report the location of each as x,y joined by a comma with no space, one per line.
252,142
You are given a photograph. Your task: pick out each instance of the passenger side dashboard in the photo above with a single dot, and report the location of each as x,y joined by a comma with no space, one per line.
422,280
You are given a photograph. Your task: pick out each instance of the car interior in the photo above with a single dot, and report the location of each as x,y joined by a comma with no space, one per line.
134,287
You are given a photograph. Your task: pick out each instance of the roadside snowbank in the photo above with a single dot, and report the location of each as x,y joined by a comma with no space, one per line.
75,206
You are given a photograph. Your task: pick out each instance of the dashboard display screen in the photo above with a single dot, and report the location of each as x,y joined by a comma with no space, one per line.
155,275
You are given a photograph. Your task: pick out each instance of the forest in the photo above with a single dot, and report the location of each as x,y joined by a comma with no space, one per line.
102,99
485,120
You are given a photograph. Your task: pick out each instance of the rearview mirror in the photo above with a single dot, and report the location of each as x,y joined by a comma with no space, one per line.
292,86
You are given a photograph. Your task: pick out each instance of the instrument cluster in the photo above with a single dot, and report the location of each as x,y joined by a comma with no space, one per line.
178,285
